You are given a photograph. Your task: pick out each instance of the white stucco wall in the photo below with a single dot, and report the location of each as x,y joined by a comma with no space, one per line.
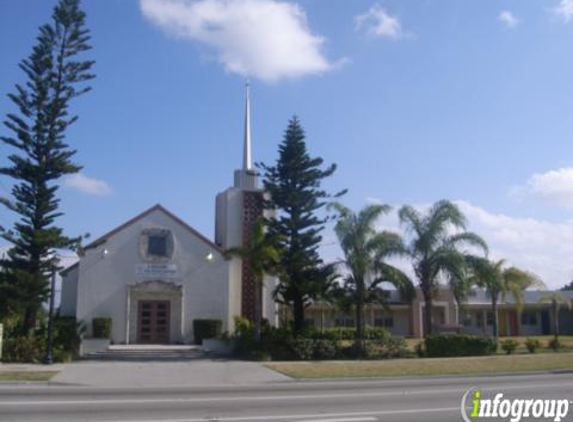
103,278
69,293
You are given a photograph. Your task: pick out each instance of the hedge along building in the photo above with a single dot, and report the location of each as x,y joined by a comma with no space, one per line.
155,274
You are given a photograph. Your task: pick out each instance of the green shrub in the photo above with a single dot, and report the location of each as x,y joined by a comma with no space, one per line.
23,349
325,349
554,345
67,338
347,333
420,350
206,328
302,348
392,347
532,345
509,346
449,345
102,327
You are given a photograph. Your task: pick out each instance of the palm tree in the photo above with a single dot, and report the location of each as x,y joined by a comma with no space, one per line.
435,250
365,253
262,257
556,300
498,281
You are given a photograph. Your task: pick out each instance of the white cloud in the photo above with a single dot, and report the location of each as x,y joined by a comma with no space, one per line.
554,186
508,19
564,10
87,185
540,246
378,22
265,39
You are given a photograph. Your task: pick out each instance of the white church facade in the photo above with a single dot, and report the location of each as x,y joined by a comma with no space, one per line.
155,274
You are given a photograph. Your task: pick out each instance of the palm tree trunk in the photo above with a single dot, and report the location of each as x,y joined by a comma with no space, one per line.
360,326
518,313
494,309
429,314
321,318
556,320
360,316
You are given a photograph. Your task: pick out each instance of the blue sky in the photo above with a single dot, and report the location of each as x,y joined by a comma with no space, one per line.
414,100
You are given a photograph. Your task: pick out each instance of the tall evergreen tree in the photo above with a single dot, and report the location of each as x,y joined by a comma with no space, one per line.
54,77
295,193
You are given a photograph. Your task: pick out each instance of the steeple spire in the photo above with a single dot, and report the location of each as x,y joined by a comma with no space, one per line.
247,158
247,178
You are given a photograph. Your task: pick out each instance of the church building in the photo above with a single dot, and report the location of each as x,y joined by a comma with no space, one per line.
155,274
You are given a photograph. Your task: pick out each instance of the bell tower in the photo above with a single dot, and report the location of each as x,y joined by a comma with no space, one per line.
237,209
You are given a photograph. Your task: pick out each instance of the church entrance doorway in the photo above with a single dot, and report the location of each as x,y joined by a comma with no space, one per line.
154,321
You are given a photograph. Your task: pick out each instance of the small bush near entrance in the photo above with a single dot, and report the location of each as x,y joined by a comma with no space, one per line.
509,346
206,328
532,344
102,327
450,345
554,345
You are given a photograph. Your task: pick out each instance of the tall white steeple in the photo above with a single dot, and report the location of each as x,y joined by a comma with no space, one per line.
247,158
236,211
247,177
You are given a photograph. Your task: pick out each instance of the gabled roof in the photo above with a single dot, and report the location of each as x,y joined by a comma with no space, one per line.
144,214
66,270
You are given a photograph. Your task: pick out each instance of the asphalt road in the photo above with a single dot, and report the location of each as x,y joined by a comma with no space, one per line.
413,399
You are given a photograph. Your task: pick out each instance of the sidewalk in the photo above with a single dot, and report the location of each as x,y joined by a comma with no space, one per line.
29,367
197,373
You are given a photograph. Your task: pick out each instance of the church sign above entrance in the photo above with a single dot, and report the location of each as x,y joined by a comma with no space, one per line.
156,270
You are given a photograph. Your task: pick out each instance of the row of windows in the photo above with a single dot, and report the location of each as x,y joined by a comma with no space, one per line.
527,318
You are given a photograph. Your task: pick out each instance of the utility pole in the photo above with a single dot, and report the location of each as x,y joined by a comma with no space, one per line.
49,353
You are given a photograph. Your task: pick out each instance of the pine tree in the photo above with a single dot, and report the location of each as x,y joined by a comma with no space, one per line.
295,194
54,77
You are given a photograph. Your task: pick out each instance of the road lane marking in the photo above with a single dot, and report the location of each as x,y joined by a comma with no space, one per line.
263,398
366,419
292,418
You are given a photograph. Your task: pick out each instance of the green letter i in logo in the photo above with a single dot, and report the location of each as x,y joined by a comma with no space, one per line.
475,401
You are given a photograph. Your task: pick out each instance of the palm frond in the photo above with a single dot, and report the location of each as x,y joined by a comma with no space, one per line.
556,298
468,238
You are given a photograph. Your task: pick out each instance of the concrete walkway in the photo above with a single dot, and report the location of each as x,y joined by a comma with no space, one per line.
29,367
194,373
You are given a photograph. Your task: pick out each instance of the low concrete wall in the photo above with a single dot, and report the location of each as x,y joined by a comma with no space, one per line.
92,345
218,346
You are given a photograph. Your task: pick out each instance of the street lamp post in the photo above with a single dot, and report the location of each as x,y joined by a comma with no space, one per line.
49,352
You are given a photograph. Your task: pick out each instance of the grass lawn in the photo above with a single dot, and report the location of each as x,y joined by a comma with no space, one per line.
26,376
437,366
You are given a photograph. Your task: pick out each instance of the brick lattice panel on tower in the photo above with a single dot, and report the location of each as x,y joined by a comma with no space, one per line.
251,287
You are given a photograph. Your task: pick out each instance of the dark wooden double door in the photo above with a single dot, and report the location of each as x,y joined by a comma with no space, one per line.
153,321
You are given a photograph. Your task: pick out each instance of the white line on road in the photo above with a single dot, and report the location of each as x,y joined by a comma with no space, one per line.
367,419
22,403
311,418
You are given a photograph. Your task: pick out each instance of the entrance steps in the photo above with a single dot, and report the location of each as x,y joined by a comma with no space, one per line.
147,353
